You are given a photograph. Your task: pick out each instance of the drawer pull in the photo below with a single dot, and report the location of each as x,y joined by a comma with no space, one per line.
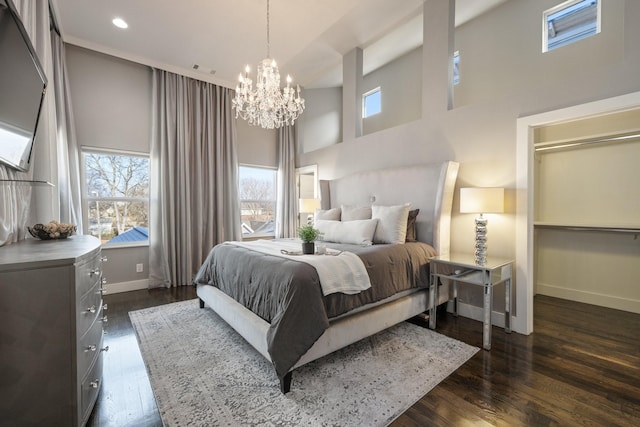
91,309
105,307
104,319
105,349
100,291
103,281
103,259
91,347
95,383
94,272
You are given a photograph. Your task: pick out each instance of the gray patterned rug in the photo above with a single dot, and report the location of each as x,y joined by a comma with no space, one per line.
204,374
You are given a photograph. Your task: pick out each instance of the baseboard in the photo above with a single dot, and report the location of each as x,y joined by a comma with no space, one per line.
477,313
134,285
603,300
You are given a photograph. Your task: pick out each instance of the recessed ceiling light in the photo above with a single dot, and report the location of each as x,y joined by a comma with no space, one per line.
120,23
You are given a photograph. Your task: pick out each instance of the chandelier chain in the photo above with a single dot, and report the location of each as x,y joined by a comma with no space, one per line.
268,33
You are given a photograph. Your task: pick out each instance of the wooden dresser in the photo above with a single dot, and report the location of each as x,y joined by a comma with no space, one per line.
51,331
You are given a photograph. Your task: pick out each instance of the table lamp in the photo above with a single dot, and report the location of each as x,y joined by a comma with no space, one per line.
482,201
308,206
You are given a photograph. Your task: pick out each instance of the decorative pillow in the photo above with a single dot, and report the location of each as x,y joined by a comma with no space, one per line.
327,214
412,235
392,223
357,232
351,213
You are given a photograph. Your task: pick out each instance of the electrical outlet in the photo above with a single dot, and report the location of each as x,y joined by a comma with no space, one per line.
139,268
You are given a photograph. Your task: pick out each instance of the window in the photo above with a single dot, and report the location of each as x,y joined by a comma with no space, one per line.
257,194
371,103
456,67
568,22
116,196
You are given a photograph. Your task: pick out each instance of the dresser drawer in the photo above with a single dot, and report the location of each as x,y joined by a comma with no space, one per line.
88,308
88,274
90,387
90,346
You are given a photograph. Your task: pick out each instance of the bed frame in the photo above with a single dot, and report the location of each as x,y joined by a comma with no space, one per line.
428,187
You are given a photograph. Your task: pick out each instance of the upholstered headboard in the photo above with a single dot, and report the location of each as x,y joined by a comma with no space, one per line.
427,187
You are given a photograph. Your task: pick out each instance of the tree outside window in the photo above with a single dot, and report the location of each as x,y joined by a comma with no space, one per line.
117,196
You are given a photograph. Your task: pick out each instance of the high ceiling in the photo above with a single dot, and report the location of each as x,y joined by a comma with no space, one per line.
308,37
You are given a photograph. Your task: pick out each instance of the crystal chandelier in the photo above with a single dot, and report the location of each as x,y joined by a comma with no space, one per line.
267,105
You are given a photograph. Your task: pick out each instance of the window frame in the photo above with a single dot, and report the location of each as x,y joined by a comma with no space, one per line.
86,198
364,102
562,6
254,236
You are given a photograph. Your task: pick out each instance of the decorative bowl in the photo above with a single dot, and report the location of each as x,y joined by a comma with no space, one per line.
52,231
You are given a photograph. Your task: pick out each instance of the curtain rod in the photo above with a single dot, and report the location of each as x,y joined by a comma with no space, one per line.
621,138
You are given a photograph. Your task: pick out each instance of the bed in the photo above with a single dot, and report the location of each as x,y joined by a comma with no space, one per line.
233,278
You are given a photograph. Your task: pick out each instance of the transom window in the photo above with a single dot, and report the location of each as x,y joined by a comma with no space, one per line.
116,196
371,103
257,194
569,22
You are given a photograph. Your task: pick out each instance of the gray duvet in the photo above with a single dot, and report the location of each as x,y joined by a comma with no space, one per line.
287,294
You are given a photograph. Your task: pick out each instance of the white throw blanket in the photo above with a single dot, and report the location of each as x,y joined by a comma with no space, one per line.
338,271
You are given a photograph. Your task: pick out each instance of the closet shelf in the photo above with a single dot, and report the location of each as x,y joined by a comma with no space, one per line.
633,229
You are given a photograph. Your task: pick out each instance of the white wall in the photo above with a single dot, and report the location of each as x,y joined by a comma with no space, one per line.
481,135
400,85
501,51
321,123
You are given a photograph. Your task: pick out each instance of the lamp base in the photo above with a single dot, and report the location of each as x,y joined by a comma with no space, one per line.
481,240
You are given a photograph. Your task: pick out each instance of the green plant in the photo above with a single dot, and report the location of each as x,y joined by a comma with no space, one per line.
308,234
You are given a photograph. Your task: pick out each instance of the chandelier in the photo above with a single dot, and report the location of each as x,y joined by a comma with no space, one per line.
267,105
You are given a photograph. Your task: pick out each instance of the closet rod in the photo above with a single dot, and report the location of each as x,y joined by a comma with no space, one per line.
631,230
621,138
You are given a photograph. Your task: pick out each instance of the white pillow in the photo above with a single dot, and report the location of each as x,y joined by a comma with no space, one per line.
351,213
327,214
392,223
357,232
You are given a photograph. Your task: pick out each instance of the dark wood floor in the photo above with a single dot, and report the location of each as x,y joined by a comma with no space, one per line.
580,367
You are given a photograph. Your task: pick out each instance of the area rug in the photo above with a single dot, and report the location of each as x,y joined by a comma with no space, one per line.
204,374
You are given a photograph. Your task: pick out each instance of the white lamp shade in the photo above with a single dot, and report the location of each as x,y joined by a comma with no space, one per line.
481,200
308,205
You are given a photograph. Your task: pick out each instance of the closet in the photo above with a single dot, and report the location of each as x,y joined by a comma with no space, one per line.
587,210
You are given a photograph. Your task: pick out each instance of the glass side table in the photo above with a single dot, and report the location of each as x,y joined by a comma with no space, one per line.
463,268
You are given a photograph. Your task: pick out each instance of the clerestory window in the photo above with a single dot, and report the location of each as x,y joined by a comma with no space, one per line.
371,103
569,22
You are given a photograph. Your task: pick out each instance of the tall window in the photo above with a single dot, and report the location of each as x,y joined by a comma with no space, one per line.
371,103
116,196
569,22
257,193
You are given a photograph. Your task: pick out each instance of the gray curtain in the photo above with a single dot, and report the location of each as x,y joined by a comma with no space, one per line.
15,199
286,203
21,205
194,178
68,155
